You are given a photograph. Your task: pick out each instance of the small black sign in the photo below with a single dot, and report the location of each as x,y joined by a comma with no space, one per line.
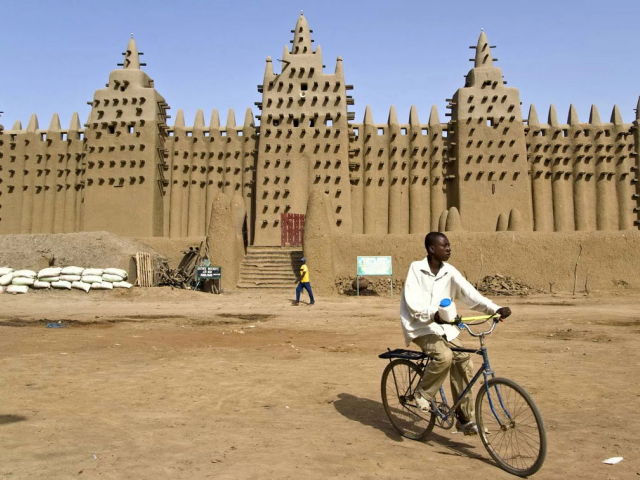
208,273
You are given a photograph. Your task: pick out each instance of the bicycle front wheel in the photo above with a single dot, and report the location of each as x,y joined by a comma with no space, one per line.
399,381
510,427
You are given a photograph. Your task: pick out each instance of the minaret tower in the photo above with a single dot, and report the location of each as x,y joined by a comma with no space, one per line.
488,148
125,150
304,138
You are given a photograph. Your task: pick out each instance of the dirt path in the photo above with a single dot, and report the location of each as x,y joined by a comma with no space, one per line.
172,384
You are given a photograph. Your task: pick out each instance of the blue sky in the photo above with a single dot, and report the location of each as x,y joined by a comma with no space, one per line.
210,54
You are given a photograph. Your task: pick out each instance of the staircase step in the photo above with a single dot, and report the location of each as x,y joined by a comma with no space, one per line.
268,278
272,268
266,285
274,257
250,263
275,267
287,261
274,248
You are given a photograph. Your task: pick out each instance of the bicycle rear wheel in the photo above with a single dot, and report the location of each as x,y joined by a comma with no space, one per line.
510,427
399,380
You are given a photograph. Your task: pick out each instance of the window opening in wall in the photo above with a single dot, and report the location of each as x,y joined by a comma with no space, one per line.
587,133
296,122
312,122
490,122
171,133
565,133
445,134
112,128
189,134
276,122
223,133
356,132
425,131
43,136
206,133
130,129
381,131
329,122
403,131
63,136
543,133
607,133
304,87
239,133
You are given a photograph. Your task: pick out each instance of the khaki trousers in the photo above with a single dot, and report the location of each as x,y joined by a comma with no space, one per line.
443,360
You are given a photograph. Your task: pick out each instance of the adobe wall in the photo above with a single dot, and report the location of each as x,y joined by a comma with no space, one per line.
535,258
398,174
85,249
40,190
487,146
203,161
124,163
172,249
583,174
485,169
304,137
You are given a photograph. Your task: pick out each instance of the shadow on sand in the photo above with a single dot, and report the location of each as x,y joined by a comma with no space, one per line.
371,413
6,419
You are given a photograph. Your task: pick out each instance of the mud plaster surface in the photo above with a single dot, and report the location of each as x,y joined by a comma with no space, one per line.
609,260
160,383
85,249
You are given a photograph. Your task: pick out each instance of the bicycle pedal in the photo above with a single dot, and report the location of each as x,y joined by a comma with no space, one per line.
444,418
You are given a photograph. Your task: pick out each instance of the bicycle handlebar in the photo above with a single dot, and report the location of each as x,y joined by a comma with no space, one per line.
462,324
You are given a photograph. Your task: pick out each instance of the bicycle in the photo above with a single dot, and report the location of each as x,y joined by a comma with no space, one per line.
509,422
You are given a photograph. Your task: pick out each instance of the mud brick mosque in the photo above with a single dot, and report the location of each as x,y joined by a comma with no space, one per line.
485,168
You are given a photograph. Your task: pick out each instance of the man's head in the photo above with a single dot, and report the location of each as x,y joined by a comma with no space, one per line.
303,260
437,246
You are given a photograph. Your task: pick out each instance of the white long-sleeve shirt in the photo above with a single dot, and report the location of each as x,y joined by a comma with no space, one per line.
423,292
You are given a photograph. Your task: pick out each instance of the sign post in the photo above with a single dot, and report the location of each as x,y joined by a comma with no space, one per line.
373,266
205,273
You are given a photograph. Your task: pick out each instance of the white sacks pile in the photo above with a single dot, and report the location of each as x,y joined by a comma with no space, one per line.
19,281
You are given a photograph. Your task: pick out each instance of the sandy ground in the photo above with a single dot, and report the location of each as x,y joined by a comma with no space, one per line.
159,383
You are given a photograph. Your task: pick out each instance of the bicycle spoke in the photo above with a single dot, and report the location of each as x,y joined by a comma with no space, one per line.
515,436
399,381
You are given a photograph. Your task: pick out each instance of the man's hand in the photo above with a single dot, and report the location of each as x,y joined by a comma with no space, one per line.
504,312
438,320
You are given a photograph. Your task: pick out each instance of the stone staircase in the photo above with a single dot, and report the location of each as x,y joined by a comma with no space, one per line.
273,268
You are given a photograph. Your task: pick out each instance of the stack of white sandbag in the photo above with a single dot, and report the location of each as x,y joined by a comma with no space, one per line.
101,279
112,278
19,281
6,276
46,277
68,275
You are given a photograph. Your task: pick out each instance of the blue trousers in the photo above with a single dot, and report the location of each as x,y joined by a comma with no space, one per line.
307,287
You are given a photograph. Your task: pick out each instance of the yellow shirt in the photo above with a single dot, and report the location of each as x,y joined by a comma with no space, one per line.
304,273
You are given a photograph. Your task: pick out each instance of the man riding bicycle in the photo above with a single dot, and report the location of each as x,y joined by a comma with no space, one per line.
428,282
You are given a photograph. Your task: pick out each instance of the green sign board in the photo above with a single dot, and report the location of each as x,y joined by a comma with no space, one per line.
374,266
208,273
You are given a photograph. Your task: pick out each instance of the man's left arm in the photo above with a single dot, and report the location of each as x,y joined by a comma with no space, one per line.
474,299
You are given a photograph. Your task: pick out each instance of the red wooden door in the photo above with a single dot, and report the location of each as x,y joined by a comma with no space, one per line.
292,226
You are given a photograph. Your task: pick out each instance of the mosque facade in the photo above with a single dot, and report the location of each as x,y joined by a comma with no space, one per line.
485,168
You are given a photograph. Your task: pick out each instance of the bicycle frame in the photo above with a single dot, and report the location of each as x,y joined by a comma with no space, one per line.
485,370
